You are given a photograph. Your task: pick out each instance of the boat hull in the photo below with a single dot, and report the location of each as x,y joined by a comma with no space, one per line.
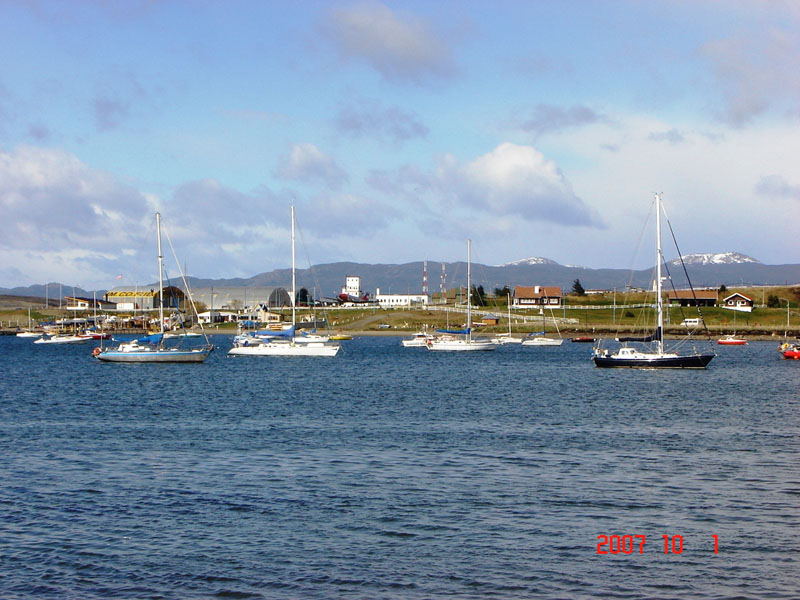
286,349
461,346
415,343
154,356
731,342
542,341
694,361
791,354
66,339
502,341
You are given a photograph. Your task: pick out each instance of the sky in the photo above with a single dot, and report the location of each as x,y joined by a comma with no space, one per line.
397,129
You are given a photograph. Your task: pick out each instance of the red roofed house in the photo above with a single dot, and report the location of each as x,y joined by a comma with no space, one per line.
537,296
693,298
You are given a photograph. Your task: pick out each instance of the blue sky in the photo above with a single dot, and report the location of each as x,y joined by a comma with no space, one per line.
398,129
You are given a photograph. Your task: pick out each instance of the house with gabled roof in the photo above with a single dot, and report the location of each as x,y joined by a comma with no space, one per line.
738,301
537,296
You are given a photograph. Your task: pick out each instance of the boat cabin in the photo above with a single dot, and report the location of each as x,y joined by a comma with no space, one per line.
739,302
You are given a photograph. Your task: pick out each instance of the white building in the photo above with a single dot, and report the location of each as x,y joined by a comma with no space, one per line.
400,300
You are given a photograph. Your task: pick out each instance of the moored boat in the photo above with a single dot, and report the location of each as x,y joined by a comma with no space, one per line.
418,340
462,340
152,349
29,334
61,338
731,340
790,351
285,342
650,352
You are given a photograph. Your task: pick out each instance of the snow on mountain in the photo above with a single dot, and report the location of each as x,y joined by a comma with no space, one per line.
723,258
534,260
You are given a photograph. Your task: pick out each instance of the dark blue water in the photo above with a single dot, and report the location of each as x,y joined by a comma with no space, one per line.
393,472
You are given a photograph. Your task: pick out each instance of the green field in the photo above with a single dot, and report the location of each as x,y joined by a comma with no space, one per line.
603,314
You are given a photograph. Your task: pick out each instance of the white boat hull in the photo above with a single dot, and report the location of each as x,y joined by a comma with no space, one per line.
286,349
461,345
62,339
502,340
415,343
155,356
543,341
310,339
29,334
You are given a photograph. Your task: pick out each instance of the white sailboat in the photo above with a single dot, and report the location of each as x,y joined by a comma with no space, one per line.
286,342
507,338
29,332
647,357
419,339
151,349
462,340
540,339
61,338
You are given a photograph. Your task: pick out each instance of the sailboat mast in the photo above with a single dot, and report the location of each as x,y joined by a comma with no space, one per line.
294,292
659,299
469,290
160,277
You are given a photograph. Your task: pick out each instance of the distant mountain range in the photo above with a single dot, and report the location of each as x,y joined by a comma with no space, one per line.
705,270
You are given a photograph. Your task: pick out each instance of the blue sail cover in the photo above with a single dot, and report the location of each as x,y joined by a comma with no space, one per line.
656,335
283,333
151,339
454,331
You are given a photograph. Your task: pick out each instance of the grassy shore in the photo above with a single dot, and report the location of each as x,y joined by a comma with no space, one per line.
601,315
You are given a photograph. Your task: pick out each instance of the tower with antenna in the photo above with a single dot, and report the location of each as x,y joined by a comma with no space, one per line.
425,277
442,286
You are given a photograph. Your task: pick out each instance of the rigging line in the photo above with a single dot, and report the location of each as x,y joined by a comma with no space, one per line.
314,278
639,243
688,279
175,303
185,283
305,251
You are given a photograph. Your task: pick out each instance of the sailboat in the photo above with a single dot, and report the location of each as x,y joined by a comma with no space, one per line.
284,342
29,332
731,339
507,338
539,338
462,340
151,349
649,357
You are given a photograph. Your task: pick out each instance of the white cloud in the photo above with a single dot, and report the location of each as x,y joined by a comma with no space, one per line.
400,47
755,72
711,177
307,163
59,217
514,180
50,199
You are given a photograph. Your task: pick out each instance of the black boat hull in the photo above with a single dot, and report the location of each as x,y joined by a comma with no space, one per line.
694,361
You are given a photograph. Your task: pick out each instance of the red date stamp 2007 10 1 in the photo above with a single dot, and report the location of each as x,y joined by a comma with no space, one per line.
627,544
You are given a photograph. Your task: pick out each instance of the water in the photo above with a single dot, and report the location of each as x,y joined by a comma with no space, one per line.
393,472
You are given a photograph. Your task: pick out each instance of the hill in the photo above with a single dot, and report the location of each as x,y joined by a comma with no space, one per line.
327,280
